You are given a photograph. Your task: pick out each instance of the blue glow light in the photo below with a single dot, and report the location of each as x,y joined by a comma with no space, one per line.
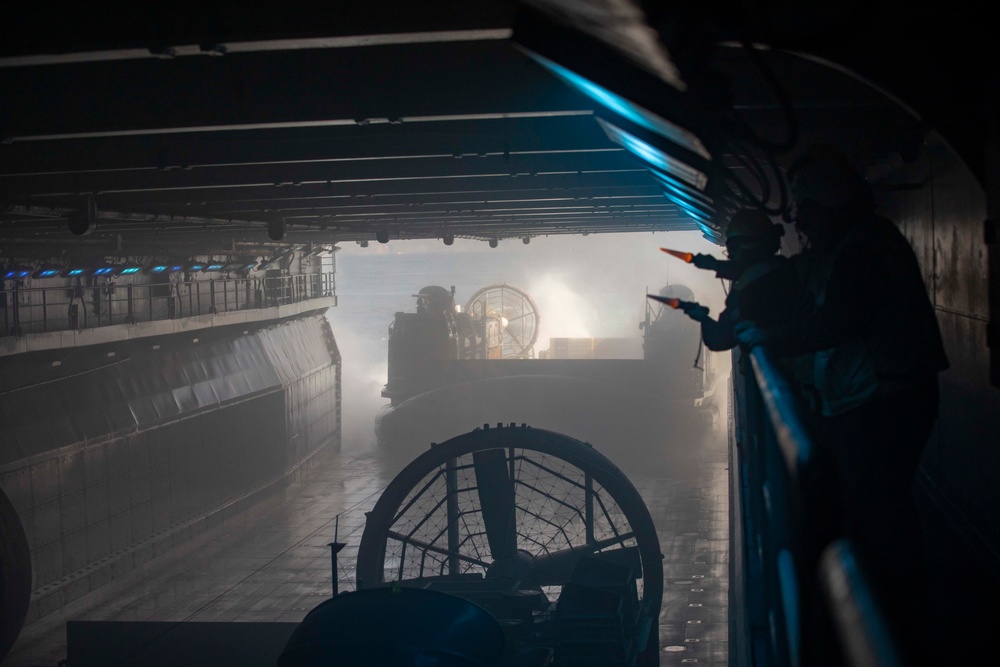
633,112
249,266
130,270
197,267
103,271
10,274
691,211
681,190
48,273
655,156
214,267
710,233
159,268
176,268
74,272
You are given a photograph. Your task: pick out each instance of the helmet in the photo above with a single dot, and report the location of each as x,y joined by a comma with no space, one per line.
824,175
435,298
752,225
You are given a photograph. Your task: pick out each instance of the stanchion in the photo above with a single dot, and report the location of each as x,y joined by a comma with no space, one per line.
335,548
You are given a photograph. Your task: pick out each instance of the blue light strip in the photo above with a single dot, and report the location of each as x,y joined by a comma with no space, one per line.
710,233
130,270
655,156
691,211
74,272
633,112
681,190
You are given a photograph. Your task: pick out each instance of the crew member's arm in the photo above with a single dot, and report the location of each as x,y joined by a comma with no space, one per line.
857,286
717,335
726,269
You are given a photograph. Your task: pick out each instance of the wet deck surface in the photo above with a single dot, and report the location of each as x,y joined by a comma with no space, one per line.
272,564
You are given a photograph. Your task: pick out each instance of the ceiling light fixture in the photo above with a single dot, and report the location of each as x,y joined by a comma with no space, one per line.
82,222
16,272
128,269
47,271
276,229
656,154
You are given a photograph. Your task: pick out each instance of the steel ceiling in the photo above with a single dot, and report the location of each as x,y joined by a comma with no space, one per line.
196,130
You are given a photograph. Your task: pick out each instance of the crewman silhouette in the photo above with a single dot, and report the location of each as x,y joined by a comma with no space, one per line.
877,354
764,285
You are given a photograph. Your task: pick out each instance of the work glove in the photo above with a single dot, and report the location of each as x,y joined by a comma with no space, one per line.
749,335
706,262
695,311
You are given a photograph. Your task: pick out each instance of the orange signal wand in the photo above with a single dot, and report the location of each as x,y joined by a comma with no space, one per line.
668,300
684,256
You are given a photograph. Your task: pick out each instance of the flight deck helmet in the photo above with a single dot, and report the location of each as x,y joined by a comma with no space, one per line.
824,175
829,194
752,229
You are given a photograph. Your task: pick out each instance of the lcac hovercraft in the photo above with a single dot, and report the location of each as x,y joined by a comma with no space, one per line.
452,367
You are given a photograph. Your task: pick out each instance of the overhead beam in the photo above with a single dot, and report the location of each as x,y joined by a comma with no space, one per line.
281,89
356,207
461,137
216,48
161,237
40,218
16,188
74,28
423,190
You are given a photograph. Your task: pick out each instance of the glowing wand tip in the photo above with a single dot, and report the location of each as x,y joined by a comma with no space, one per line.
668,300
684,256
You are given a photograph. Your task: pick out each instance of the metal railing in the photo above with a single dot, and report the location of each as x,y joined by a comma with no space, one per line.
862,632
42,309
795,586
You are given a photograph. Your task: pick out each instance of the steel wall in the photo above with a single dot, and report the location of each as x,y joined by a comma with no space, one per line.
941,208
112,466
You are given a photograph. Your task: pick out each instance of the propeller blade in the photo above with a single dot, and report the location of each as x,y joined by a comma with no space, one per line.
496,499
514,336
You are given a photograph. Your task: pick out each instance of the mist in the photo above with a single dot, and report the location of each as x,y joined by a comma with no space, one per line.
584,286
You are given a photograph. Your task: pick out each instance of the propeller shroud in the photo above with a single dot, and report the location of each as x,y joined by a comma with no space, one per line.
509,502
516,310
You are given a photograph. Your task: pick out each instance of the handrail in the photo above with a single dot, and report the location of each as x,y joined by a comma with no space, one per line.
768,504
781,547
858,621
784,410
26,310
